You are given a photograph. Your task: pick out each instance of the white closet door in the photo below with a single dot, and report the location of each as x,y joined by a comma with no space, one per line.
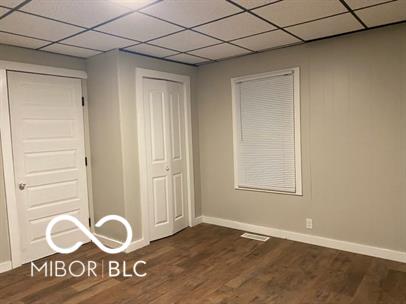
165,138
48,149
178,155
158,158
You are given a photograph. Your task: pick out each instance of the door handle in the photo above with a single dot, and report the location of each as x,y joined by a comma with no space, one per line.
167,168
21,186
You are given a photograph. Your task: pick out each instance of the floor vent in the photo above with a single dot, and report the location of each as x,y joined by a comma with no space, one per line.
256,237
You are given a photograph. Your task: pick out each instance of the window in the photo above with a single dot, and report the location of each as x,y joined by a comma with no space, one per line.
266,116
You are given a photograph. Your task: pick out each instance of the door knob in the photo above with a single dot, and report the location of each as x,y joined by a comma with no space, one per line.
167,168
21,186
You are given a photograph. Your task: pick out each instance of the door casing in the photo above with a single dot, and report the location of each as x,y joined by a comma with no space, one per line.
140,74
6,144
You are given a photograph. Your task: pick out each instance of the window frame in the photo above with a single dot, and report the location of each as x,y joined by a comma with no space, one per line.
297,133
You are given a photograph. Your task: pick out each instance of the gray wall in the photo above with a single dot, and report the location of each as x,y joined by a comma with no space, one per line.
105,141
353,119
5,254
10,53
113,135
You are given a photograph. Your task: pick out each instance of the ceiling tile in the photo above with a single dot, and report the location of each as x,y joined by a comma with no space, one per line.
267,40
355,4
290,12
235,27
133,5
151,50
187,58
191,13
139,27
186,40
383,14
70,50
98,41
6,38
250,4
25,24
79,12
11,3
220,51
326,27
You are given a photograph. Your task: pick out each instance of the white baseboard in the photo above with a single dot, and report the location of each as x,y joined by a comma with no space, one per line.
107,241
5,266
110,242
378,252
138,244
197,220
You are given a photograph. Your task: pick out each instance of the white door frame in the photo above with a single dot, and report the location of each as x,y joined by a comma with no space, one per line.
6,144
140,74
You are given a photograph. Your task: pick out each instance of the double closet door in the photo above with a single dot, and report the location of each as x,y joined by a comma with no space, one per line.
164,113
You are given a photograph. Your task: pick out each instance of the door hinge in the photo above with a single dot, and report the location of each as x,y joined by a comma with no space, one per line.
85,161
83,101
90,222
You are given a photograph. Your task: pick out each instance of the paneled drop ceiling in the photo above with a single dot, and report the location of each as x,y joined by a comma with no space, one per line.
188,31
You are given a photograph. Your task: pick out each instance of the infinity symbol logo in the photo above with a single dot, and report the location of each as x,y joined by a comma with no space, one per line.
101,222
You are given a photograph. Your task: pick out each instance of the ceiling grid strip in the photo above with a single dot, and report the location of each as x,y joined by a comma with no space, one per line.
353,14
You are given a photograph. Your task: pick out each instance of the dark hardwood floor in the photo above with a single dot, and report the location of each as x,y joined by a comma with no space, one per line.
210,264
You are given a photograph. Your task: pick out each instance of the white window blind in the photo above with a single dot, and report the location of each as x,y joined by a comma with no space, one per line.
265,120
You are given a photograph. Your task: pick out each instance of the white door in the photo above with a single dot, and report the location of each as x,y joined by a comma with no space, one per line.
49,159
164,113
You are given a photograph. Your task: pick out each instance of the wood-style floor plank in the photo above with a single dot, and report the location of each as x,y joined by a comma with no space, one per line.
214,265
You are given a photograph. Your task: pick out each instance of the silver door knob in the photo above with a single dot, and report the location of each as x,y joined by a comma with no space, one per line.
21,186
167,168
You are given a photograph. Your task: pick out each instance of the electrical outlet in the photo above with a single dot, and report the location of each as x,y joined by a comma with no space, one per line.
309,223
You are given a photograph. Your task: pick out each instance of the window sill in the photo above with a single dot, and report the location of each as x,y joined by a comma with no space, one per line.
268,191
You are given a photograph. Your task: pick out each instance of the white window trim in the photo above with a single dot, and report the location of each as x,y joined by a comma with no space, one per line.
236,126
